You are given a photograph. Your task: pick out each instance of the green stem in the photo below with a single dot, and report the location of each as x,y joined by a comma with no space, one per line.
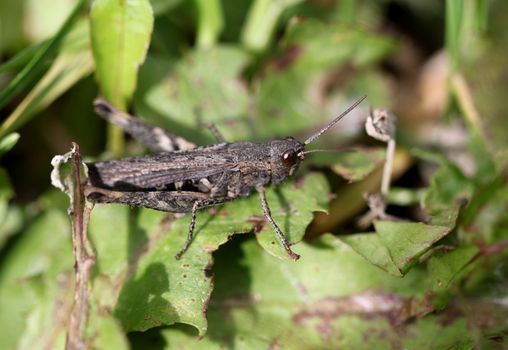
115,141
261,21
210,22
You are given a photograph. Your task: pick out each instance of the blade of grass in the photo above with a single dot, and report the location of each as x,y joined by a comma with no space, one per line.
23,57
481,15
73,63
24,78
454,16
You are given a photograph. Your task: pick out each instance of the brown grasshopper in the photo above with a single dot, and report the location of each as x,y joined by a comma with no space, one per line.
182,177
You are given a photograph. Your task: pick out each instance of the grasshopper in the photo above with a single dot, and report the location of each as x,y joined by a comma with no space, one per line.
181,177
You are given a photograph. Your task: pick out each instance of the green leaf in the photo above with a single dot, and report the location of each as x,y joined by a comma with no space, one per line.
201,89
406,241
105,331
33,275
331,297
449,190
370,246
445,267
289,96
120,32
356,165
136,250
485,219
440,332
42,327
336,44
292,208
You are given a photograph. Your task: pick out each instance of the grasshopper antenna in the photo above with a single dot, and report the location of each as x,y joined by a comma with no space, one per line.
323,150
333,122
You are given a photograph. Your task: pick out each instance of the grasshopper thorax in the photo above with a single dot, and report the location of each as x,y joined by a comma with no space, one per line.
285,157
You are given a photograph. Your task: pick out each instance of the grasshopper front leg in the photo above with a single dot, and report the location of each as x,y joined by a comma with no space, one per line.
278,232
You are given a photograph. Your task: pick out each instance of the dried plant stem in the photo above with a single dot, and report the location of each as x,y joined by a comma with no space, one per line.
387,170
84,260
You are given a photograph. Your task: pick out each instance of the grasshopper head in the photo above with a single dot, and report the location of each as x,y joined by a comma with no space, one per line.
287,154
285,157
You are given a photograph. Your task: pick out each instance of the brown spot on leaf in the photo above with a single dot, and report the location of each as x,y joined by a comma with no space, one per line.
299,182
218,211
290,56
394,308
258,221
208,274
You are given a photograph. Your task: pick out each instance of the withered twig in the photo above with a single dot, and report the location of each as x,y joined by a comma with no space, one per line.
387,170
380,125
84,260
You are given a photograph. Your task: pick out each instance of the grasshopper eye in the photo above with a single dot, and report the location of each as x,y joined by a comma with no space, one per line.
289,158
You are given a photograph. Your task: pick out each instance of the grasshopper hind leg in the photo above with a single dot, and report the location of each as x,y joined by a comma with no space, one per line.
153,137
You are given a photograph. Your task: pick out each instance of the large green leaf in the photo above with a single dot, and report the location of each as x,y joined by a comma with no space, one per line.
120,33
201,89
330,299
136,250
